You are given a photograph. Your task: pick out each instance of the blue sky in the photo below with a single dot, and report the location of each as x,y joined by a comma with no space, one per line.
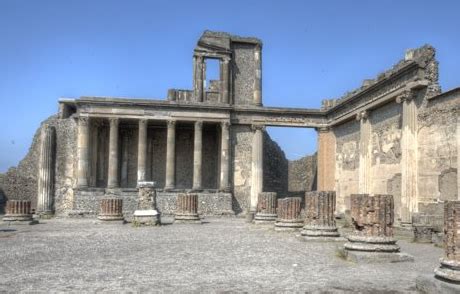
312,50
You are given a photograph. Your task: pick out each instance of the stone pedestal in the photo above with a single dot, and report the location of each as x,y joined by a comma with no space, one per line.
266,208
187,209
372,239
146,213
111,210
423,234
18,211
319,215
289,214
446,277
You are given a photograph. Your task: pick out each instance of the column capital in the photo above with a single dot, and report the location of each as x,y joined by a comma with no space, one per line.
83,121
114,121
225,125
199,124
406,95
225,59
362,115
323,129
143,121
171,123
256,127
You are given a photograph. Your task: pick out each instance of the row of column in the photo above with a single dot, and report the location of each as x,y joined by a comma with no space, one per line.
113,179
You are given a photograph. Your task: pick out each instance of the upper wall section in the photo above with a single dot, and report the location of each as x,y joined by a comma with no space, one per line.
240,71
418,70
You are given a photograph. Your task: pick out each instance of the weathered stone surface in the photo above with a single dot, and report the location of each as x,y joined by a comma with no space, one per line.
45,197
423,234
111,209
146,213
289,214
320,214
266,208
187,208
450,263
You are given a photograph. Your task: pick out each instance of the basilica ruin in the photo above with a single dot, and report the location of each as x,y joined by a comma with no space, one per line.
397,134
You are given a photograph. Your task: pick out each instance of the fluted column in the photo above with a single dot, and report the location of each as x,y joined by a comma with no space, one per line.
224,63
266,208
408,156
319,215
225,157
46,171
289,214
111,209
18,210
197,155
142,150
365,146
257,165
258,76
187,208
326,159
170,155
113,181
198,75
82,152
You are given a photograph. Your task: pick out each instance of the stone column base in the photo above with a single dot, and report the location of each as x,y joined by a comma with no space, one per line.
288,225
371,244
320,231
19,219
448,271
264,218
146,217
429,284
187,219
374,257
45,214
110,218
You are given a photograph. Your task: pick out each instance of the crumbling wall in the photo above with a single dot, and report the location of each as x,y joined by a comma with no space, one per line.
302,175
437,148
244,69
347,162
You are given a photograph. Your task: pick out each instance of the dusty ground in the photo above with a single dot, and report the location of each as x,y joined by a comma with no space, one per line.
222,255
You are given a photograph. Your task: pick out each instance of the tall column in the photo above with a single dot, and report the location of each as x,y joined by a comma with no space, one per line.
458,154
113,181
142,150
258,75
408,156
170,155
198,77
197,155
225,157
326,159
364,178
257,165
82,152
46,171
224,64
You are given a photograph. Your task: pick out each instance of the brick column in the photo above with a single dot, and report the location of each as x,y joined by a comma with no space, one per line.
319,214
408,156
142,150
266,208
197,156
113,181
257,167
450,263
18,210
373,218
111,209
225,157
289,214
224,64
82,152
170,155
326,159
198,78
187,208
365,149
45,194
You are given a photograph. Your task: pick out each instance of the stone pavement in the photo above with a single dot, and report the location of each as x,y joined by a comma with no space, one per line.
223,254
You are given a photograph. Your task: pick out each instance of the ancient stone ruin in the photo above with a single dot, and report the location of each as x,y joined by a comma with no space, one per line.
146,213
111,210
320,215
289,214
187,209
266,208
18,211
397,134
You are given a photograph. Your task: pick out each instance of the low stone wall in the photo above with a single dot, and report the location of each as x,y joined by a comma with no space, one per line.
87,202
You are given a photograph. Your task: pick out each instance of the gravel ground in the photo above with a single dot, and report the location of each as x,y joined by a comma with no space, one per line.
222,255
